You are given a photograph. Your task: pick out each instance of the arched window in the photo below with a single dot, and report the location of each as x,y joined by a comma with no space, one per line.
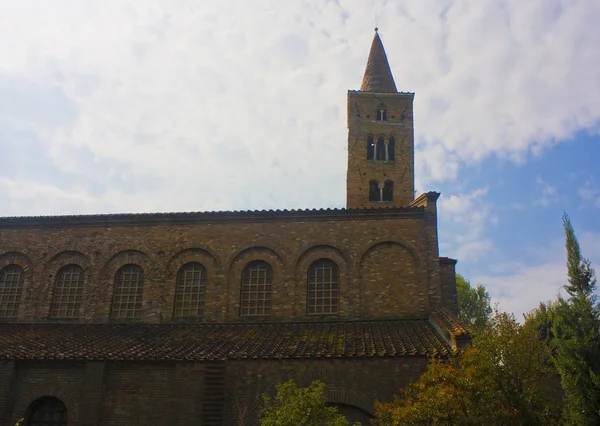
381,151
391,149
256,289
323,287
381,114
129,286
370,148
11,286
189,293
67,292
47,411
388,191
374,193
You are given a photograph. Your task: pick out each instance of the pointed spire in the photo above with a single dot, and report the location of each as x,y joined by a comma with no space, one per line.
378,75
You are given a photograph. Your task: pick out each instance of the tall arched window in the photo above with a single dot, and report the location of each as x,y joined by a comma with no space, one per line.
129,286
388,191
67,292
381,151
189,293
323,287
256,289
392,149
370,148
11,287
47,411
374,190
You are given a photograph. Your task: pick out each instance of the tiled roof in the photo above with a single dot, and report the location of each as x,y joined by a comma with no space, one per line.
209,217
449,321
204,342
378,75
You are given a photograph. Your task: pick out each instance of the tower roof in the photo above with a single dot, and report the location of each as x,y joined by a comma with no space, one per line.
378,75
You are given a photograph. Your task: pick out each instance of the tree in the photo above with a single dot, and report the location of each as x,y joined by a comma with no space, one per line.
497,382
295,406
474,307
576,337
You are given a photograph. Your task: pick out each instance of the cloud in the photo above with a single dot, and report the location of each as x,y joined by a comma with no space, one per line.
239,105
469,216
589,193
548,194
519,286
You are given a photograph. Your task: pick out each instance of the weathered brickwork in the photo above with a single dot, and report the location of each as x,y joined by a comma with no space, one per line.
173,393
362,123
396,297
383,262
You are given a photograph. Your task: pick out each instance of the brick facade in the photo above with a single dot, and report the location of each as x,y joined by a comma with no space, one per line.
396,298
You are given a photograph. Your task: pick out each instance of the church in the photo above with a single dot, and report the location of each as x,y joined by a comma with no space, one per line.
188,318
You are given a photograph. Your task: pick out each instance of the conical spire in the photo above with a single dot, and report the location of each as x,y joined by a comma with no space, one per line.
378,75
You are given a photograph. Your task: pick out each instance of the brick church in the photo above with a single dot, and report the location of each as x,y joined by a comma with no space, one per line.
188,318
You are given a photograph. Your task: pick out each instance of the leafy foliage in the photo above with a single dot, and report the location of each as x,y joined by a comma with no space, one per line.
474,307
576,337
295,406
497,382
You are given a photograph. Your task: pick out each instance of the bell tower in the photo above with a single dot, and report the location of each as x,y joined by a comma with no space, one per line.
380,138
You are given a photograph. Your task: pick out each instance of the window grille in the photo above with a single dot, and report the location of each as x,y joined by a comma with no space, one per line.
47,412
11,287
257,280
129,286
323,287
189,293
67,292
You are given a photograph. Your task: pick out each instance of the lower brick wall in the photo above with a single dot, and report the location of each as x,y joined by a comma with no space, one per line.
172,393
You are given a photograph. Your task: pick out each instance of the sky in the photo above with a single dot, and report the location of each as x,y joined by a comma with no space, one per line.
193,105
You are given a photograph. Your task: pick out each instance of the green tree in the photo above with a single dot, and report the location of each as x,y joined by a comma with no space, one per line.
294,406
576,337
499,381
474,307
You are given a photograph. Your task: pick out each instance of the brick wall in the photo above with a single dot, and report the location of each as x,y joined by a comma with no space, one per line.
448,279
362,122
173,393
386,263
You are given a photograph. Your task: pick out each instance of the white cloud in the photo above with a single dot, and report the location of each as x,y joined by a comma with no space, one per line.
242,105
520,286
470,216
589,193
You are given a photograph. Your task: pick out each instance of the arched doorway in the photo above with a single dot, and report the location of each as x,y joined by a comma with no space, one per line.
47,411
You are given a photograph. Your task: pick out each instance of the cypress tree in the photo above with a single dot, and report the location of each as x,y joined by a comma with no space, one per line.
576,329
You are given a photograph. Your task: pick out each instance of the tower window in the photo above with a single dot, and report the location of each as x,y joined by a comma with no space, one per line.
374,193
381,154
381,114
11,286
256,289
370,148
388,191
391,149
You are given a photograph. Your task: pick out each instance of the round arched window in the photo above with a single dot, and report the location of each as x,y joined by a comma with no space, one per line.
47,411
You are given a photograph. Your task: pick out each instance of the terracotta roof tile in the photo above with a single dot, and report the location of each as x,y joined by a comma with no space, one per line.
203,342
207,217
378,75
450,321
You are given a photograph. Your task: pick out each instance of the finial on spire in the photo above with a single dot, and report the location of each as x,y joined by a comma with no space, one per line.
376,29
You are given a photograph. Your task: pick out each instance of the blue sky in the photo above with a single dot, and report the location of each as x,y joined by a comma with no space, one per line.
127,106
